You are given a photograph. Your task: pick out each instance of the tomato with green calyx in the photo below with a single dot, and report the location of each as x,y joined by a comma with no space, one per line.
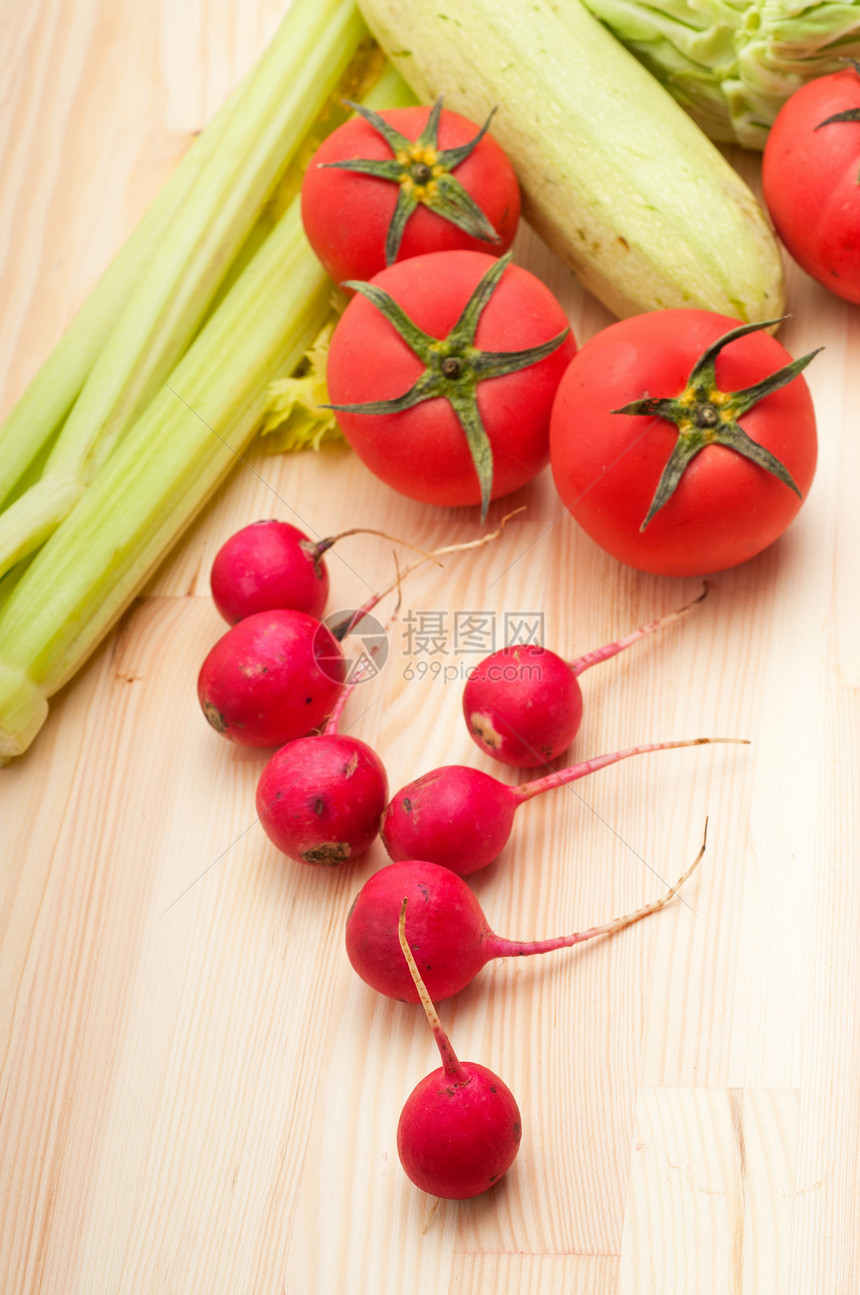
442,372
389,185
682,442
811,179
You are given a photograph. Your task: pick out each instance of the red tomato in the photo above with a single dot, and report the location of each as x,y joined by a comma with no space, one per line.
347,214
423,451
607,466
810,174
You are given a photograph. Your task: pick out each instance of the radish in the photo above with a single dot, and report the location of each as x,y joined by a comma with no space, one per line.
275,675
461,818
450,938
459,1130
320,799
272,677
523,704
271,564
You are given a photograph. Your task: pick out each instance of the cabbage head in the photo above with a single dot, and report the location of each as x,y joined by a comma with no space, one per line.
733,63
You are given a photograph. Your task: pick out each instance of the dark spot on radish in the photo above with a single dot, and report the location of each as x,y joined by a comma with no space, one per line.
481,728
215,718
407,805
329,855
318,805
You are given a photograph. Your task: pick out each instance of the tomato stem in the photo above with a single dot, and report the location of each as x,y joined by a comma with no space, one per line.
423,172
454,366
706,415
850,114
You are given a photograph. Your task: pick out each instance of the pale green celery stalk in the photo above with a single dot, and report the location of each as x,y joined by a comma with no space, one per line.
161,474
295,77
45,403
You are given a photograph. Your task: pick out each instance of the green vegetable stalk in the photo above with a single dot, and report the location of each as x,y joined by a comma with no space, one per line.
143,493
733,63
186,259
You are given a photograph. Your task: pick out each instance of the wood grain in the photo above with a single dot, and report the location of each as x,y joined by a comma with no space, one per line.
711,1191
197,1093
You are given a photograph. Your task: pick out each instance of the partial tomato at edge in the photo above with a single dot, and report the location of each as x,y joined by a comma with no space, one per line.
810,174
607,465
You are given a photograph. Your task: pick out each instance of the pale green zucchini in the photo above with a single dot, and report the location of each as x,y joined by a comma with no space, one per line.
616,178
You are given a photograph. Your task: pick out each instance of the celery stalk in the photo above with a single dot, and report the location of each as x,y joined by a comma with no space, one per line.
45,403
174,457
184,444
295,77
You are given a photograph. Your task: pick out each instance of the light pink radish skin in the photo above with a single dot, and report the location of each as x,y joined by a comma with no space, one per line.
523,704
460,1128
449,934
269,564
271,678
461,818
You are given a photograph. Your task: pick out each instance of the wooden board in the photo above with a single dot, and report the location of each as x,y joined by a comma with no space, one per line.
197,1092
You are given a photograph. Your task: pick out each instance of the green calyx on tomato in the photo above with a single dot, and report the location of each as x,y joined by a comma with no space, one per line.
850,114
423,171
704,415
454,366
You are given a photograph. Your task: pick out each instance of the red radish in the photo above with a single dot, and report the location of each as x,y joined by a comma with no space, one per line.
276,675
269,564
450,936
320,799
523,704
272,677
460,1128
461,818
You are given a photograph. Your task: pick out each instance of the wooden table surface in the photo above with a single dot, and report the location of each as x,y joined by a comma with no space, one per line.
198,1094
